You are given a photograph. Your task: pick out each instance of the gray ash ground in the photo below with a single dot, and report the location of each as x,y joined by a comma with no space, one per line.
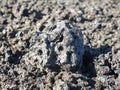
99,22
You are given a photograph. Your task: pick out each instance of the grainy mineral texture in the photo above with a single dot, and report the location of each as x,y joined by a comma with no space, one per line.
60,45
42,48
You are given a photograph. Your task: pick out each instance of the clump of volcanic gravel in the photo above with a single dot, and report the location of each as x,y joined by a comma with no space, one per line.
59,45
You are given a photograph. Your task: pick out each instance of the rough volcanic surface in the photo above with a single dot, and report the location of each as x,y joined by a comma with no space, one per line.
59,44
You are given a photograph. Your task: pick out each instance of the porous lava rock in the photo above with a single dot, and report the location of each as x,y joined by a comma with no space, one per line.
59,45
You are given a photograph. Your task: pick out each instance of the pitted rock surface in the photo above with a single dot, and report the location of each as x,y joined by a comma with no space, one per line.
116,62
23,68
61,44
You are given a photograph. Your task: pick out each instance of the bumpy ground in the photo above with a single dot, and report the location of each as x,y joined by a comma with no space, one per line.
99,22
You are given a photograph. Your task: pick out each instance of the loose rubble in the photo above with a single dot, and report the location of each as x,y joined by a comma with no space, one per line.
55,44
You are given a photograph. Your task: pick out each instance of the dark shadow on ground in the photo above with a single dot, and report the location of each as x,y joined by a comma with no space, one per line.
88,68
